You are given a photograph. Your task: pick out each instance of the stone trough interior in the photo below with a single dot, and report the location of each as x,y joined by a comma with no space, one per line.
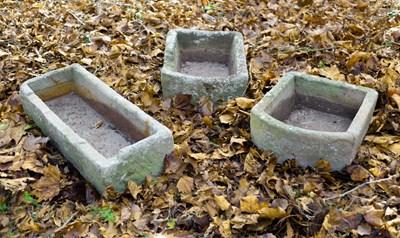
105,129
205,57
313,112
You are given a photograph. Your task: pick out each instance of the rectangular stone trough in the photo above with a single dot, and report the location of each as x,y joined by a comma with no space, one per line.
107,138
309,118
204,63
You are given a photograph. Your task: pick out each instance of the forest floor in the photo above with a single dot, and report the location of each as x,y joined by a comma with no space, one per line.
217,184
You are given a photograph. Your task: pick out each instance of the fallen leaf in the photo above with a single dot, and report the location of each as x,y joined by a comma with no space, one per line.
134,189
249,204
245,103
17,184
396,98
374,216
332,73
226,118
357,57
185,184
272,213
323,165
48,185
34,143
222,202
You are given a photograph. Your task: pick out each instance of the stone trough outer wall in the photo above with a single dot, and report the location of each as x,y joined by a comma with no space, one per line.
309,146
134,162
216,88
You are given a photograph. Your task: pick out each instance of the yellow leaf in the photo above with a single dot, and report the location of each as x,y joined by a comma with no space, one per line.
146,98
395,148
357,57
245,103
222,202
272,213
332,73
225,229
198,156
249,204
323,165
204,3
185,184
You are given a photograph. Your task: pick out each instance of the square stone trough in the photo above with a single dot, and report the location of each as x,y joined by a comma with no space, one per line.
204,63
309,118
107,138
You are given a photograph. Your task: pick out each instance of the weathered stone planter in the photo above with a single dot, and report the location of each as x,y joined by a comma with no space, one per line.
310,118
107,138
204,63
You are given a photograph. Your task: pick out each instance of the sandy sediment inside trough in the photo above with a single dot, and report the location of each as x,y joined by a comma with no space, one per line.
205,69
83,120
312,119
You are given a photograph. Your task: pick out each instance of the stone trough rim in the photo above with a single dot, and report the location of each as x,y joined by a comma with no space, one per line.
169,47
259,109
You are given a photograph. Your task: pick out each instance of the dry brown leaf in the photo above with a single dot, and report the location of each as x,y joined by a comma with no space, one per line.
198,156
86,61
245,103
364,229
396,98
357,57
134,189
374,216
358,173
33,143
185,184
226,118
17,184
3,53
48,185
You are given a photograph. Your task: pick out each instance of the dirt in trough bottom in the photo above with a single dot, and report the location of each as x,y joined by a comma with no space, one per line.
205,69
88,124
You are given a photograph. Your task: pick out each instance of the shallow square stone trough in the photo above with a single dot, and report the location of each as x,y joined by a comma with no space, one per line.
309,118
204,63
107,138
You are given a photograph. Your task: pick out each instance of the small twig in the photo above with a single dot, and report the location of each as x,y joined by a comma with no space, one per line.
308,49
66,223
77,18
115,4
361,185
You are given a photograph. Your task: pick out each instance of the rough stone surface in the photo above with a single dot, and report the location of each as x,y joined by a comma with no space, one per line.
276,125
204,63
134,162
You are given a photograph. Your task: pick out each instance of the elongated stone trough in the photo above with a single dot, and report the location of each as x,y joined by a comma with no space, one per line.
309,118
107,138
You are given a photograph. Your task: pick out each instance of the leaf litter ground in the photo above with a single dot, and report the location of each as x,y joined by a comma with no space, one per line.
217,183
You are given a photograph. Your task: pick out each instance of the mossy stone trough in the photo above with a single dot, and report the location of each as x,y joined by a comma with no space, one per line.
107,138
204,63
309,118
